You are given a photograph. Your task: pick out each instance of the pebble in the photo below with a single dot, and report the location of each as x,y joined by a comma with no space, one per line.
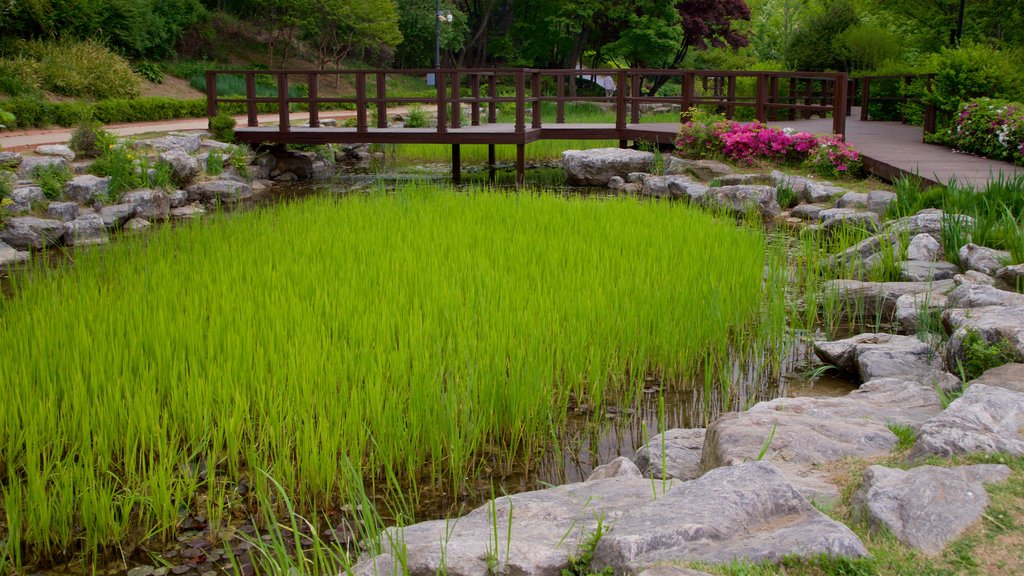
191,553
180,569
210,573
161,571
144,570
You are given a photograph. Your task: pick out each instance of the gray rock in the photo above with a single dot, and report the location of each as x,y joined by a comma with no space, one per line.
63,211
187,143
982,259
984,420
746,180
28,232
214,144
879,200
9,160
835,218
263,166
862,255
1012,277
809,190
928,221
909,308
188,212
213,192
746,512
926,507
30,163
672,454
636,177
597,166
925,271
84,189
878,299
991,323
1009,376
115,216
925,248
621,467
616,182
853,200
707,170
808,211
743,199
632,188
81,167
56,150
178,198
976,295
184,168
883,356
85,230
973,277
136,225
673,187
149,204
9,256
24,196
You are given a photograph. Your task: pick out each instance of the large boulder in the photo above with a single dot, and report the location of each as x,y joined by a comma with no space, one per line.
928,221
911,307
925,507
673,187
56,150
853,200
182,142
985,419
115,216
29,232
9,256
743,199
188,212
992,323
708,170
672,454
24,196
747,512
837,218
925,248
621,467
979,295
746,180
983,259
884,356
925,271
84,189
1012,277
808,211
63,211
214,192
879,200
85,230
29,164
878,299
1009,376
596,167
808,190
184,168
149,204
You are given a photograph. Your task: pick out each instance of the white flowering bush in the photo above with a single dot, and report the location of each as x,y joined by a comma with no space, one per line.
990,128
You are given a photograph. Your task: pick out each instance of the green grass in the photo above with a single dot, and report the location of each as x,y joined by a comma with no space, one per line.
410,334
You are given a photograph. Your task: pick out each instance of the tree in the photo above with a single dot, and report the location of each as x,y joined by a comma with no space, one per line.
417,22
342,26
813,46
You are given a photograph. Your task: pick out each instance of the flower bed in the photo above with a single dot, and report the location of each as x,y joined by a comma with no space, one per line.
710,135
988,127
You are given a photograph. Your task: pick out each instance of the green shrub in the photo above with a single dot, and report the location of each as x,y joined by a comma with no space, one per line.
19,76
974,71
981,355
149,71
7,119
239,159
6,186
119,163
416,118
38,113
214,163
83,69
89,139
222,126
51,178
988,127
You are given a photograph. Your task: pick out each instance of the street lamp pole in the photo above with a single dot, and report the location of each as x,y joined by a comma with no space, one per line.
960,22
437,36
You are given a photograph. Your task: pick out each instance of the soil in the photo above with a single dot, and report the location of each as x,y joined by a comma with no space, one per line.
171,87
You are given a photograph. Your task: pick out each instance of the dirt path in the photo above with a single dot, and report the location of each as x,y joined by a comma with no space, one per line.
23,140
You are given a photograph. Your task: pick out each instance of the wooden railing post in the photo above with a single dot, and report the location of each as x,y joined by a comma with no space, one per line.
474,109
211,94
620,100
686,97
314,103
839,104
282,102
382,103
535,89
520,101
559,103
361,102
730,95
492,93
760,110
456,99
773,97
635,84
441,79
929,107
865,98
252,119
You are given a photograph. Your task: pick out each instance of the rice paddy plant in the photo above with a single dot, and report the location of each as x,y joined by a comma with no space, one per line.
408,334
540,151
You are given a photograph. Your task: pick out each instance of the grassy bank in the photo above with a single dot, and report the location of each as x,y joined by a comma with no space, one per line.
415,335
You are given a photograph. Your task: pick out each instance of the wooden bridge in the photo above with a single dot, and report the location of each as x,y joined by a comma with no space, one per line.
518,106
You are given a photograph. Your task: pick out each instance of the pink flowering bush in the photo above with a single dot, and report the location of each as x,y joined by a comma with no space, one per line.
712,136
988,127
833,158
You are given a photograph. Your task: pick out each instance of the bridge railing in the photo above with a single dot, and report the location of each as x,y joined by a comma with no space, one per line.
861,91
488,93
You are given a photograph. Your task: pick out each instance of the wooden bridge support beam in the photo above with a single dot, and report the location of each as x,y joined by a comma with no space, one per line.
456,164
491,161
520,165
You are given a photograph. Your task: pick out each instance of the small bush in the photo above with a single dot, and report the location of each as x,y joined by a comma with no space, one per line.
980,355
6,186
416,118
19,76
83,69
6,119
149,71
239,160
51,178
988,127
120,164
222,126
89,139
834,158
973,71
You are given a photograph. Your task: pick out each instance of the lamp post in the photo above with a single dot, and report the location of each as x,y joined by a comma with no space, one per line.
960,23
445,16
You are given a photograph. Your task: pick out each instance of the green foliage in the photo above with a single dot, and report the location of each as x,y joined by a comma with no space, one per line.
90,140
866,46
82,69
150,71
974,71
416,117
38,113
19,76
701,133
51,178
905,435
214,163
7,119
787,198
417,24
988,127
128,171
817,44
222,126
239,159
981,355
6,186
